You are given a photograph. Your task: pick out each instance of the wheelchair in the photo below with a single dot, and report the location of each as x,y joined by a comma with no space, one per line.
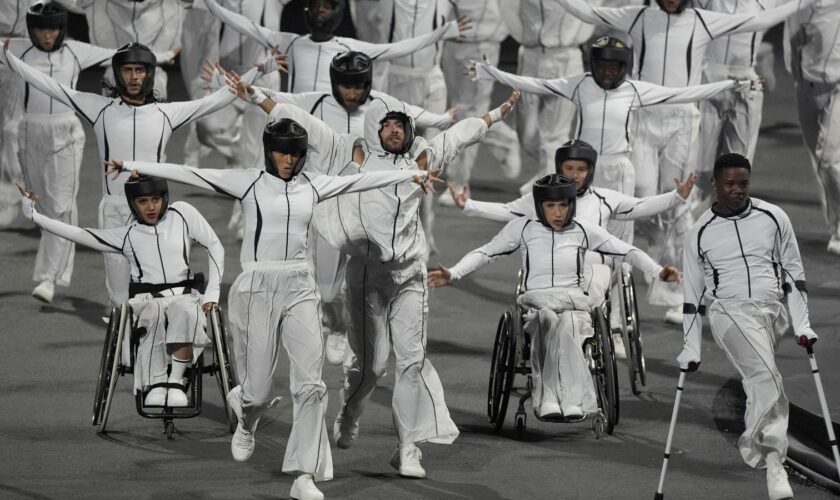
629,326
118,360
511,357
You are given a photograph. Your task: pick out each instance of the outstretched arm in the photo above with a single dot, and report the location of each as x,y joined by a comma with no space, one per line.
507,241
327,186
630,208
201,233
395,50
563,87
502,212
616,18
92,55
719,24
599,240
230,182
650,94
269,39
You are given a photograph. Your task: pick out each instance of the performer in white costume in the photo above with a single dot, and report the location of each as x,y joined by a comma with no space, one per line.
275,298
812,55
553,246
741,260
157,244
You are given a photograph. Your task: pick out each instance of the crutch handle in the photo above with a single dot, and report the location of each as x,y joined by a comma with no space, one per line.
806,342
693,367
659,496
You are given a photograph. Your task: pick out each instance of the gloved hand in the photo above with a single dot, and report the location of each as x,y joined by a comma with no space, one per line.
689,358
806,337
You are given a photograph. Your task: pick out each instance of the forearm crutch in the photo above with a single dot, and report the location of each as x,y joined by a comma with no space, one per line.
659,495
832,440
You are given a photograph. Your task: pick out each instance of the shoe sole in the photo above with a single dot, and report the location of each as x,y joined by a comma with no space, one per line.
43,299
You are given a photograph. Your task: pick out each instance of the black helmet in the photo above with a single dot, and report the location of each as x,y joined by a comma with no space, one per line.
577,150
146,185
286,136
135,53
554,187
608,48
408,125
330,24
680,8
47,15
351,68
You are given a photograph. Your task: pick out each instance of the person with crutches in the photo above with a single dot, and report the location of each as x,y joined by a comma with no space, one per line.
741,258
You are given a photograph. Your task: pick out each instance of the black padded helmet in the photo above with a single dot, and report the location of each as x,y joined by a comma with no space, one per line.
577,150
146,185
285,136
683,4
554,187
47,15
135,53
408,125
608,48
329,24
351,68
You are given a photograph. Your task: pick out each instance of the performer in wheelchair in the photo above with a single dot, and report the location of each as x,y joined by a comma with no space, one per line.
275,298
558,291
165,304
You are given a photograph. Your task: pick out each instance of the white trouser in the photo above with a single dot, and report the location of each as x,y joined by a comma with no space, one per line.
10,171
664,149
819,117
473,99
729,123
270,303
616,172
176,319
559,321
50,148
544,123
113,213
747,330
389,305
329,265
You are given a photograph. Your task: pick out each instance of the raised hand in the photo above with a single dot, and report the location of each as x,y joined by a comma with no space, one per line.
461,198
684,188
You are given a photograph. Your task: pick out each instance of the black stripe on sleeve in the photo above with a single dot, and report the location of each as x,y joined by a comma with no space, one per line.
100,240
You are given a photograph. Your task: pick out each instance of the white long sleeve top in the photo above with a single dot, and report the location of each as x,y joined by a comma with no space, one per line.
277,213
62,65
753,254
124,131
157,254
13,17
486,17
309,61
812,43
552,258
669,49
547,24
113,23
603,118
407,19
741,49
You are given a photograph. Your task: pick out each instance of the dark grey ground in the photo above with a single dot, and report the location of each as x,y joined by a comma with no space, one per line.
49,357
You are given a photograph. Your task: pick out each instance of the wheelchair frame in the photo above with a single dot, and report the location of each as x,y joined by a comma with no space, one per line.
111,367
630,327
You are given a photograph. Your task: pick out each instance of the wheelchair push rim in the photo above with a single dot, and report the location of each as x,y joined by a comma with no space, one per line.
502,368
605,375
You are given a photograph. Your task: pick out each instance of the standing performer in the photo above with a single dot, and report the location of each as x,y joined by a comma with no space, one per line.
275,298
812,55
741,258
157,245
130,123
669,45
51,139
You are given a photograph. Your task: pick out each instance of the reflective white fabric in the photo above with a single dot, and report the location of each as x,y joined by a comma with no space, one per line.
11,107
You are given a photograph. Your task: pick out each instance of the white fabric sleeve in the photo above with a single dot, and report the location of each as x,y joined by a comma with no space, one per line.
629,208
267,38
447,145
719,24
201,233
617,18
651,94
303,100
18,45
86,104
505,243
231,182
693,289
563,87
793,272
181,113
502,212
102,240
426,119
89,55
327,186
322,139
600,241
395,50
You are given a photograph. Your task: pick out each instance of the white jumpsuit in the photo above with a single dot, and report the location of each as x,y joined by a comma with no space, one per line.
123,132
668,50
812,54
275,298
159,255
557,301
742,266
386,280
51,145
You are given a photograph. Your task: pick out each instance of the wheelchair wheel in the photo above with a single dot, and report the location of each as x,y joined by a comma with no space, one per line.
221,363
110,369
606,375
635,351
502,368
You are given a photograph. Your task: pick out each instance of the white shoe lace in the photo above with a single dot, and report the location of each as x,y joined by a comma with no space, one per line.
413,455
243,438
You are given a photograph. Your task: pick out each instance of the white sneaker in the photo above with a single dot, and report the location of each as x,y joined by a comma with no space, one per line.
618,346
550,409
778,487
674,315
176,398
336,347
243,443
345,430
44,291
834,245
406,459
512,166
304,489
155,397
572,411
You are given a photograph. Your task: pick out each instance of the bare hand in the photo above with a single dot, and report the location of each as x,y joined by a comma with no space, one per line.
175,52
453,112
684,188
440,277
237,86
27,194
508,105
281,60
208,306
461,198
670,274
6,43
464,24
431,179
117,167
